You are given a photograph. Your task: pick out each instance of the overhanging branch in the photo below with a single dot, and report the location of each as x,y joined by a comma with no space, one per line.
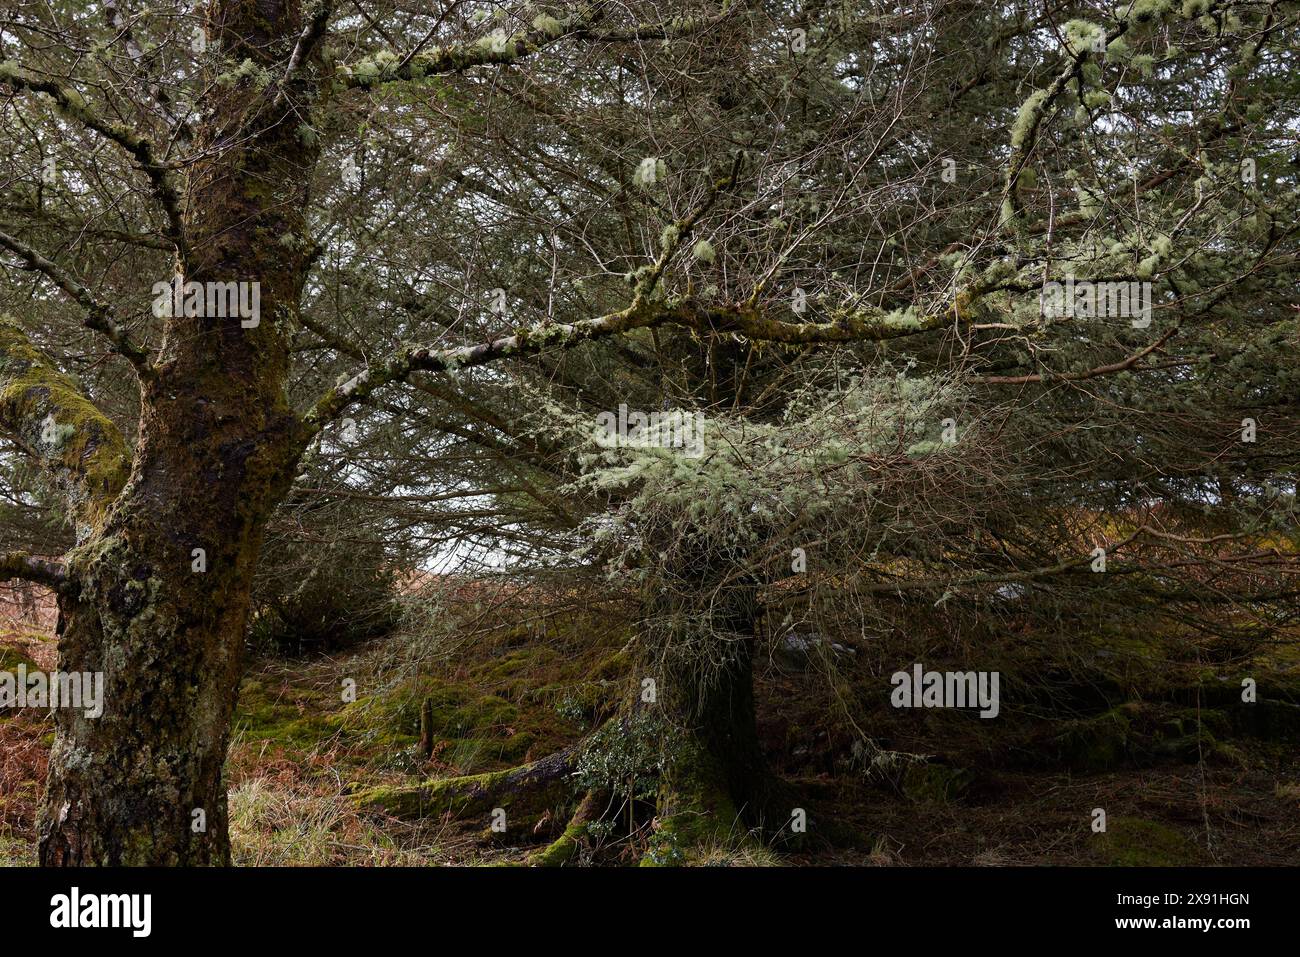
24,567
386,66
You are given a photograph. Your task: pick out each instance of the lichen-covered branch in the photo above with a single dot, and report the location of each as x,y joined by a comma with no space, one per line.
45,412
497,48
24,567
648,310
1024,131
745,320
311,35
644,311
678,28
501,47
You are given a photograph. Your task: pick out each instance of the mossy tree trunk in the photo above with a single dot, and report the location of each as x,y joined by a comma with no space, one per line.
701,635
163,579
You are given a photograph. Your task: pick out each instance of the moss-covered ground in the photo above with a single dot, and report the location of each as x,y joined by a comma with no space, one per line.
1185,771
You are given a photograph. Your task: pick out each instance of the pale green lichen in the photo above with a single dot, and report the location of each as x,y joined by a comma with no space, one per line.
649,172
1026,118
259,76
1147,11
732,480
381,65
544,23
1160,248
906,318
1084,37
497,43
54,435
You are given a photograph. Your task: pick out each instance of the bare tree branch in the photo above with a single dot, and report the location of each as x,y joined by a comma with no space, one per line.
98,316
73,105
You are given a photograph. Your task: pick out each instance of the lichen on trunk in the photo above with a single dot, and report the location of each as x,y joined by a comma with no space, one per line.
162,581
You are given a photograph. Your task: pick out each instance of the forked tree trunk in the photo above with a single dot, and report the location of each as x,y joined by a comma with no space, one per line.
165,580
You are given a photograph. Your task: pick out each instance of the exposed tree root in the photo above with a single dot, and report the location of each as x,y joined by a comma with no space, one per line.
565,848
707,806
524,792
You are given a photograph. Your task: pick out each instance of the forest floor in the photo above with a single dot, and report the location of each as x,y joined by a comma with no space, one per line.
1185,773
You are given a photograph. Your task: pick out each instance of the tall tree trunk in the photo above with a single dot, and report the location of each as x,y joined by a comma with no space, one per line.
165,578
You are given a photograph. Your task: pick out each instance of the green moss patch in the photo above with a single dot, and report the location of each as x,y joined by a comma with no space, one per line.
11,658
1136,842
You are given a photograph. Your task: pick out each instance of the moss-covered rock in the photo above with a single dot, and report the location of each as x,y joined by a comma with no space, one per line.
1269,720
